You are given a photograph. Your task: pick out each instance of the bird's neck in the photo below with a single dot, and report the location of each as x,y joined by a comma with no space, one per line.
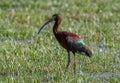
56,25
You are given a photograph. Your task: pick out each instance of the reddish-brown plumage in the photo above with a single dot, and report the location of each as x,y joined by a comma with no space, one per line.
69,41
63,36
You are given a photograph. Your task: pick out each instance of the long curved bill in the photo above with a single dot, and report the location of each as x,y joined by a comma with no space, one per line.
47,22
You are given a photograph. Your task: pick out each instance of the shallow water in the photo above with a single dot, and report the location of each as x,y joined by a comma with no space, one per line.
105,75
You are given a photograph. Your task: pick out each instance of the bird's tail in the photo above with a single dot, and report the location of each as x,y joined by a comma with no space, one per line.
85,51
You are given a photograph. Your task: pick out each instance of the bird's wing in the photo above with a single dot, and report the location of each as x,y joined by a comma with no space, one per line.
79,47
73,41
75,45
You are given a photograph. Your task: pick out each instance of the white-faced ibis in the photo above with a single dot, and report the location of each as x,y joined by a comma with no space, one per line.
69,41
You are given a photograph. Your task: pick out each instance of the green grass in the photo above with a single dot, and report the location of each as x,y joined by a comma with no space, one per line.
28,57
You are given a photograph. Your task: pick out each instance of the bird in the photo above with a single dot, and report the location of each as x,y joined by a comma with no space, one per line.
69,41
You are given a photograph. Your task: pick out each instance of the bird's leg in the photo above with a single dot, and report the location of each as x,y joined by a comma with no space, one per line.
74,63
68,60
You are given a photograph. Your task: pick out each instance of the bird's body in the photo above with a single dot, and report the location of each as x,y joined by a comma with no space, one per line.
69,41
63,38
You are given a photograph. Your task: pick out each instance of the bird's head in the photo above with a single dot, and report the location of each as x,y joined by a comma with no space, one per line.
55,17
